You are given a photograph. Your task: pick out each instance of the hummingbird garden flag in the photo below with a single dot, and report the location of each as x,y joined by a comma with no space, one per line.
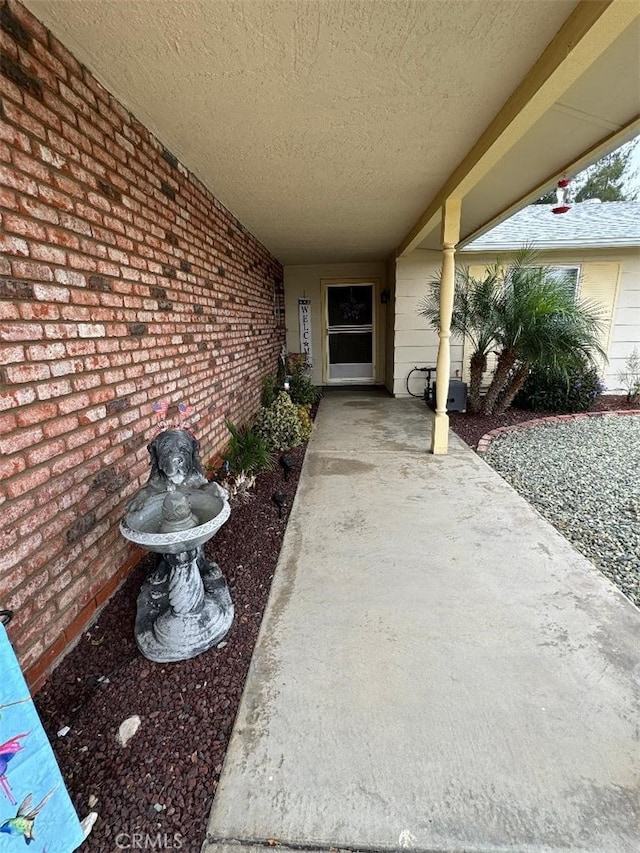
35,808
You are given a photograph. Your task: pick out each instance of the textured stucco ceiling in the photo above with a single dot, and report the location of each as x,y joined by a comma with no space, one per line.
325,126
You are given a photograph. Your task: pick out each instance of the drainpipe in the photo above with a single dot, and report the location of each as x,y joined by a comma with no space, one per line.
450,236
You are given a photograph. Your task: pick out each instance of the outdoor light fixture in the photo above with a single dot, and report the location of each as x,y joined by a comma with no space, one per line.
561,195
286,463
279,498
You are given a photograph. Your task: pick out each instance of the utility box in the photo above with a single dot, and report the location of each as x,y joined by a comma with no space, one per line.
456,398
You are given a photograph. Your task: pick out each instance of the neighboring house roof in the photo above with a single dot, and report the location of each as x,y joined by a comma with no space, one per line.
590,224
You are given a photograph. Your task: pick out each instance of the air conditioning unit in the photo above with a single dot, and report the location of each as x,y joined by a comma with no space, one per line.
456,398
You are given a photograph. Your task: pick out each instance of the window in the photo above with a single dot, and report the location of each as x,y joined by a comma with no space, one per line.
569,275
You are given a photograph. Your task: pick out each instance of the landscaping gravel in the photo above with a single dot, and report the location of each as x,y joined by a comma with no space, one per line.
584,477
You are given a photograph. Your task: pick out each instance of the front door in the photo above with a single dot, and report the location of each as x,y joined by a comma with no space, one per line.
350,333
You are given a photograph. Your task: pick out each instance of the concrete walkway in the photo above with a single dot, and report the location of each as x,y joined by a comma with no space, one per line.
437,668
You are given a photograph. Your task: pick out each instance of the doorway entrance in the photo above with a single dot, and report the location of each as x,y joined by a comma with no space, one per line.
350,338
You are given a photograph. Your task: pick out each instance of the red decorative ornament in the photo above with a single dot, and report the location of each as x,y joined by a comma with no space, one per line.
561,195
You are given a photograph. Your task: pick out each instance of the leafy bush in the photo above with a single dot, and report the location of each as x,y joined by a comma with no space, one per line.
306,424
280,424
630,376
269,391
301,389
552,390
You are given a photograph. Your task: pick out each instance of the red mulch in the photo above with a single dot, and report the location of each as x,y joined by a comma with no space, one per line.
471,428
187,709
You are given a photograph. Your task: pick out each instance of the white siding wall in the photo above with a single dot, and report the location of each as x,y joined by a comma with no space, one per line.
615,274
626,323
416,342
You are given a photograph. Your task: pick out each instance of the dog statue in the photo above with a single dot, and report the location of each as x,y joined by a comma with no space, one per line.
175,464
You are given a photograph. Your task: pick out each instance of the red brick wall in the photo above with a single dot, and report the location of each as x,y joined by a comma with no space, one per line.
122,281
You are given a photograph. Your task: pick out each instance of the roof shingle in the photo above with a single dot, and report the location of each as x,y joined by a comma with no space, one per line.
590,224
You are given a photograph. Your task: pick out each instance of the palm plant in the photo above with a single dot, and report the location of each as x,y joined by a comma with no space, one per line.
247,455
474,317
539,322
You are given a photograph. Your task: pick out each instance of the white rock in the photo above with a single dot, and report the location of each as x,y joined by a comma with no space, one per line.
88,822
127,729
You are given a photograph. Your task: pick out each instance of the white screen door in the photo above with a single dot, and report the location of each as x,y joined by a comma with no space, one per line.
350,332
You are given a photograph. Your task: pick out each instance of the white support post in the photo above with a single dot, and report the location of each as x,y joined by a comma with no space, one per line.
450,235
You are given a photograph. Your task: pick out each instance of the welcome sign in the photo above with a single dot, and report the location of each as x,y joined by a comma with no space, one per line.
304,314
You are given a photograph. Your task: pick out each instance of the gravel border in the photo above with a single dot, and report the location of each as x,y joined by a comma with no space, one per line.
581,472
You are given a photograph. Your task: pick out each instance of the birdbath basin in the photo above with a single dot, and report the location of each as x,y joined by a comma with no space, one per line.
143,526
184,606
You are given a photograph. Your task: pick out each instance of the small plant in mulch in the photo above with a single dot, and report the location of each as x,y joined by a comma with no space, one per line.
247,455
629,378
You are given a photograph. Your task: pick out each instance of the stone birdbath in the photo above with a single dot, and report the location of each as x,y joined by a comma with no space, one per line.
184,606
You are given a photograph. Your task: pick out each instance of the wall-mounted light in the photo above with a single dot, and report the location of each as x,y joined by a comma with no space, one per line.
385,296
561,195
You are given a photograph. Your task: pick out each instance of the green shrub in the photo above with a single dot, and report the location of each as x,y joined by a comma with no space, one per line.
280,424
269,391
306,424
555,391
301,389
248,451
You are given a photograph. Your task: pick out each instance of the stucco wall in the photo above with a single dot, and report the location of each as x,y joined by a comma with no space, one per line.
122,281
416,342
305,282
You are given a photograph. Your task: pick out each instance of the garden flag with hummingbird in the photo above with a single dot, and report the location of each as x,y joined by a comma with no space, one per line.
34,805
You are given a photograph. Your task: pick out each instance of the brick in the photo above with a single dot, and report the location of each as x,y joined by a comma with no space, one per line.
30,165
39,311
29,22
11,354
50,390
24,373
45,452
46,352
12,245
16,397
38,210
26,482
31,415
31,270
50,254
67,366
24,227
25,121
74,279
20,440
9,466
91,330
21,332
51,293
60,426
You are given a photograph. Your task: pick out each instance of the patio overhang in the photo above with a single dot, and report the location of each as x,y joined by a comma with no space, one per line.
329,128
560,119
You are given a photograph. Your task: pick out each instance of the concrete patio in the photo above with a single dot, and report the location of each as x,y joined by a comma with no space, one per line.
437,668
